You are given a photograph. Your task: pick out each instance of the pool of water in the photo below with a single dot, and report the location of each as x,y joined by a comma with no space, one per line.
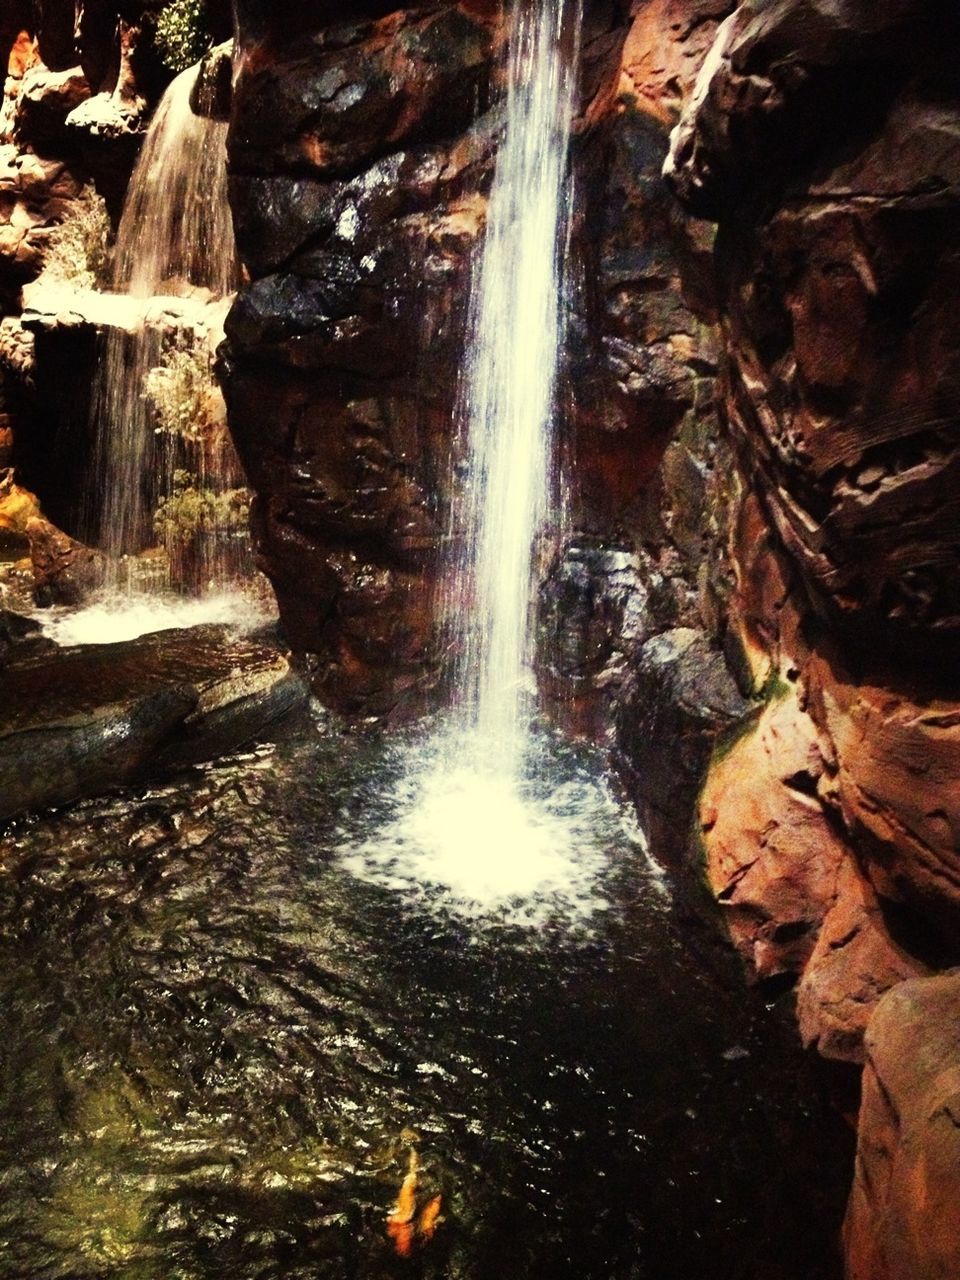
253,1029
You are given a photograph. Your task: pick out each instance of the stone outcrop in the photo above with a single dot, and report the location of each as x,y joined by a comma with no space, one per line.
824,138
902,1219
358,201
88,719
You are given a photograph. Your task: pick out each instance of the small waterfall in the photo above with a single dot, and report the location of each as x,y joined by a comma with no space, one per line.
509,390
161,443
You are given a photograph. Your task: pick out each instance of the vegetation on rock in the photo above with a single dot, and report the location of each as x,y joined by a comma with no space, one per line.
181,35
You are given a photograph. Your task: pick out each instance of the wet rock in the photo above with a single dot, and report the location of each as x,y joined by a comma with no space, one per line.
64,570
46,99
894,755
212,94
344,97
81,721
901,1220
594,614
678,700
839,269
772,857
854,963
19,634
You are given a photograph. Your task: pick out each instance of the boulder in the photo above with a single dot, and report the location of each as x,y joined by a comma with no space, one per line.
64,570
854,963
677,701
46,99
901,1221
85,720
772,857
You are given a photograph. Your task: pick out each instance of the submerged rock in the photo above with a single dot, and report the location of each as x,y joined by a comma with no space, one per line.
80,721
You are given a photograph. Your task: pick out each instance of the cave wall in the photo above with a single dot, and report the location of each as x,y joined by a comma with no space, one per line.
824,139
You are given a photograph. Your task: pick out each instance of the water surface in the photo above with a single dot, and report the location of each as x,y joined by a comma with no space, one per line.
228,1039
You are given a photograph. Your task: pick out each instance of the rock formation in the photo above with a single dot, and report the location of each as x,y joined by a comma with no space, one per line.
361,152
824,138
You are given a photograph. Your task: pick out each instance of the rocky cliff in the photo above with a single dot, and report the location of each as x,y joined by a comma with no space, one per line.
361,153
824,139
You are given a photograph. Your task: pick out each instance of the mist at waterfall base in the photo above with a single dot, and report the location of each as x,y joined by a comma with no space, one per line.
479,818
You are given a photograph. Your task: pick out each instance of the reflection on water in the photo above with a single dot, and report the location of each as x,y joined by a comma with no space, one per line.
227,1055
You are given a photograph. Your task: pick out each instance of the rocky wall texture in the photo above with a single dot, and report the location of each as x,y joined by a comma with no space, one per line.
361,151
824,139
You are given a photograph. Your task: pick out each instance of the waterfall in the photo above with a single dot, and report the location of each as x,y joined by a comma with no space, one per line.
485,820
175,241
508,396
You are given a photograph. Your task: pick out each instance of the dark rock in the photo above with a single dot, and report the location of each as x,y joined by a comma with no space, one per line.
19,635
64,570
677,702
46,99
81,721
213,92
345,97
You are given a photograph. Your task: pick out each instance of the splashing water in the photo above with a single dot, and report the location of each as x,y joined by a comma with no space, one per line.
175,240
509,391
486,827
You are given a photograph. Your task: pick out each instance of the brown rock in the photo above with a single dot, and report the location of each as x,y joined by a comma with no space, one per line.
46,99
902,1219
18,506
772,857
64,570
854,962
895,758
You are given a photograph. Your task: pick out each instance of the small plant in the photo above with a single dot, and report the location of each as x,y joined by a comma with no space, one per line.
77,247
184,395
190,511
181,36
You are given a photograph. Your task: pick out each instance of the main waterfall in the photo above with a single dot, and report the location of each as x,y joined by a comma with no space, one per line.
509,389
495,818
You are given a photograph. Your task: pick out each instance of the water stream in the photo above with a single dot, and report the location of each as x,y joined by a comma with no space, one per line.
508,400
159,417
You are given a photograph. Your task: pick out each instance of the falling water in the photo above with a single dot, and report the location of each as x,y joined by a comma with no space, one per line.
175,241
481,816
509,391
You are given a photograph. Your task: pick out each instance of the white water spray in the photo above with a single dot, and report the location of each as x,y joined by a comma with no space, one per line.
509,390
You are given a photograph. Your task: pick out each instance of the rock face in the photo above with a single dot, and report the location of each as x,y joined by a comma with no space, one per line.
902,1219
362,154
78,722
356,199
824,138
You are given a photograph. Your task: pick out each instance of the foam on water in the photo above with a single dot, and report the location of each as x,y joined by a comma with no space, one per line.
488,847
116,618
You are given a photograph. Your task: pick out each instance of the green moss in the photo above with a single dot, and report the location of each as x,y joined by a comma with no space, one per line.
181,35
192,509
